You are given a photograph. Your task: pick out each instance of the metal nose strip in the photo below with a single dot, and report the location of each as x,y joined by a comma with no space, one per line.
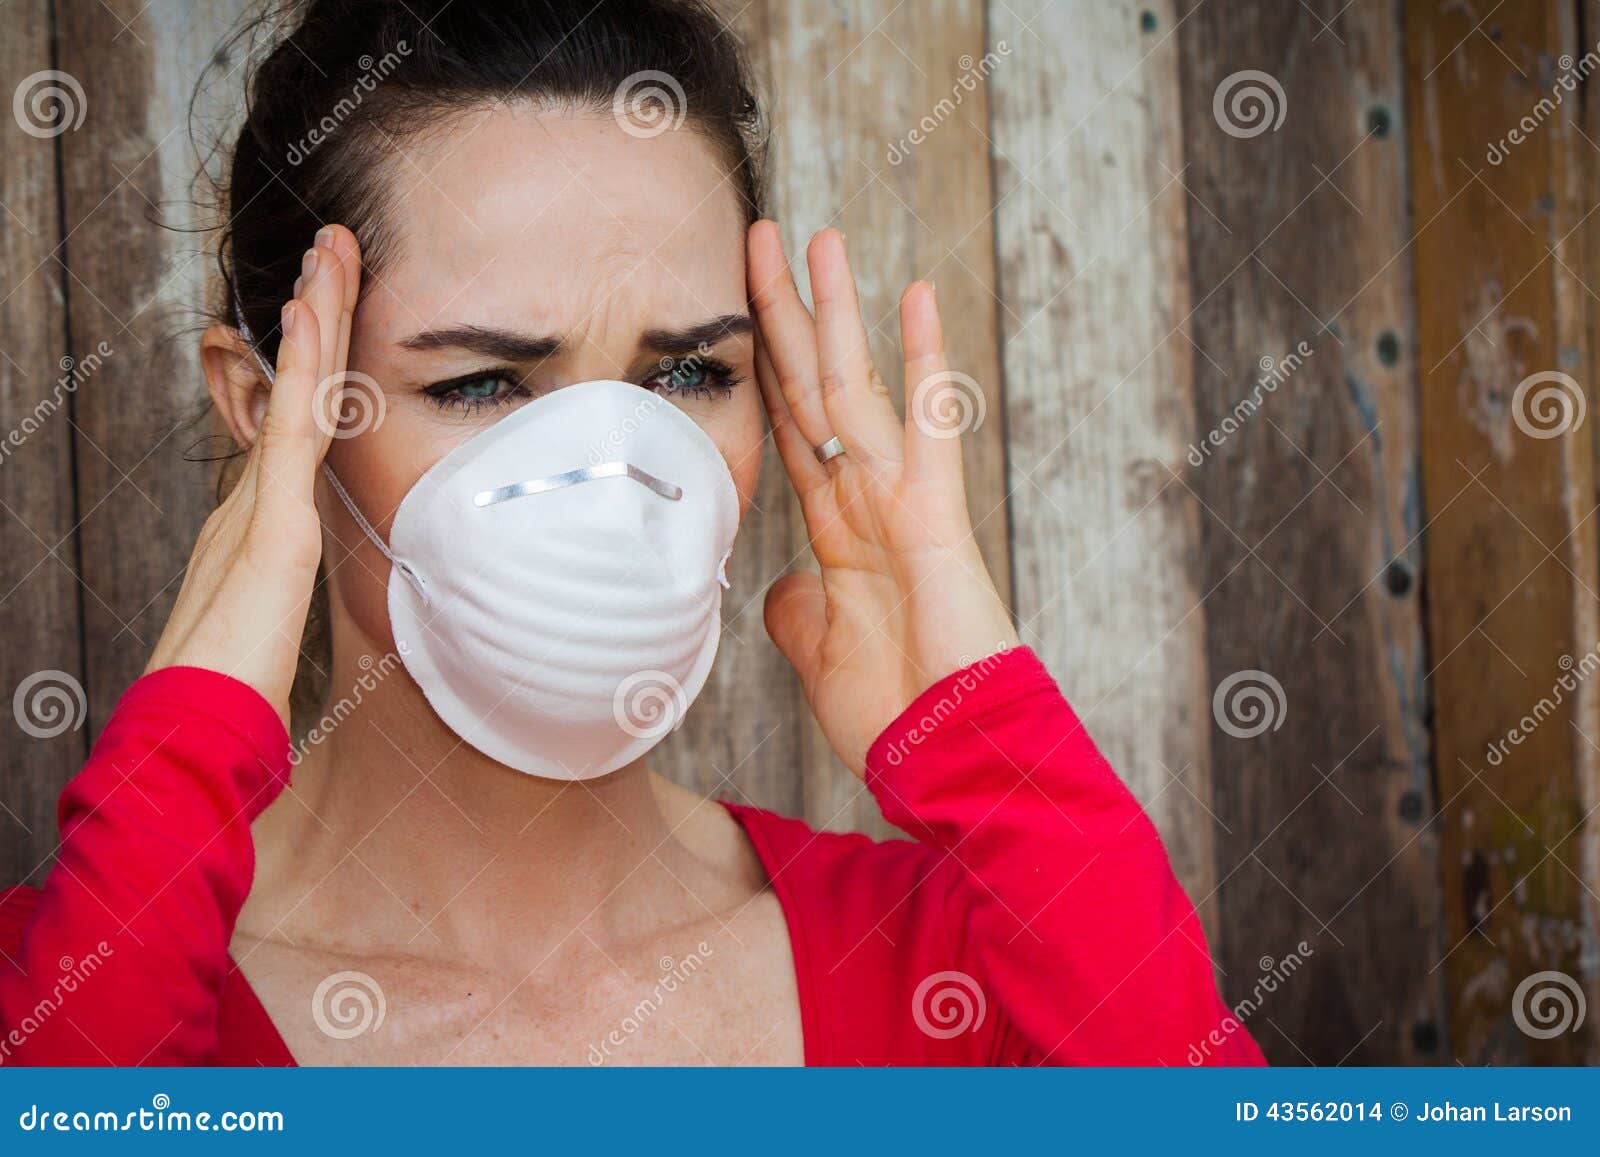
572,478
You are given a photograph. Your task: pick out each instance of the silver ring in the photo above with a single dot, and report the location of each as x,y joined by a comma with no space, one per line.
832,448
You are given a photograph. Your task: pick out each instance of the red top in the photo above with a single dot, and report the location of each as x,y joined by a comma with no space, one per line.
1035,920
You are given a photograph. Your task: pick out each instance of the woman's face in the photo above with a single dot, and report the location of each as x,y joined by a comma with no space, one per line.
533,251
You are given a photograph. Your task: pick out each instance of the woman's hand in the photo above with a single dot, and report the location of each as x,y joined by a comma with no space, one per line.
903,597
242,608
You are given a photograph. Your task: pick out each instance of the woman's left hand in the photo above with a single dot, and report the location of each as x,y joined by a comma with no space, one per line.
903,597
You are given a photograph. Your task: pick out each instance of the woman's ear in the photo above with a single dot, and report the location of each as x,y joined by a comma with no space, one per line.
239,388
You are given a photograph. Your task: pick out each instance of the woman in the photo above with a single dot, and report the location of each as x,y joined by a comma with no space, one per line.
516,425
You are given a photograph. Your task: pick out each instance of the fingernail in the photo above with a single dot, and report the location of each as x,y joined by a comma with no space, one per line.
286,317
308,264
325,237
299,284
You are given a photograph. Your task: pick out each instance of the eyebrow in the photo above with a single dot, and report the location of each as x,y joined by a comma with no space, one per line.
494,343
681,341
520,347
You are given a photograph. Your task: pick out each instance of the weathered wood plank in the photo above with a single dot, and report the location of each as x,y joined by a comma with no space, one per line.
39,598
138,277
1098,407
852,81
1508,484
1298,232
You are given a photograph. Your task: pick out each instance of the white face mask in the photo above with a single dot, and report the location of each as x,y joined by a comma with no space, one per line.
557,579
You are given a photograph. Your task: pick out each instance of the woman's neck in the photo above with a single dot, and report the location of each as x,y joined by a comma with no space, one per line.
449,850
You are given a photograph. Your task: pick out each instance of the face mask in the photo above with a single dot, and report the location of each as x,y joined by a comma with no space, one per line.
556,588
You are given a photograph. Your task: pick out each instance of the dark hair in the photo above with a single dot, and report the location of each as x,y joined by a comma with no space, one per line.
353,75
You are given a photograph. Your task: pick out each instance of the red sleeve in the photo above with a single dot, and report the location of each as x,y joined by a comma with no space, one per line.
123,959
1068,912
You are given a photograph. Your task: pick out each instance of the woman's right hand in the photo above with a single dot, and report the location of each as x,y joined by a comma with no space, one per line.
242,608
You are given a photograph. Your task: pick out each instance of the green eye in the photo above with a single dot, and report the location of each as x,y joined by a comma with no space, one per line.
699,376
686,376
481,388
475,392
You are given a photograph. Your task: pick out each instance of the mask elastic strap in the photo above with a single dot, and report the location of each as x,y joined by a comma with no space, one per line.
399,564
327,471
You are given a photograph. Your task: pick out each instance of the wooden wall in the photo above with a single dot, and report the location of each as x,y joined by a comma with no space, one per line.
1249,287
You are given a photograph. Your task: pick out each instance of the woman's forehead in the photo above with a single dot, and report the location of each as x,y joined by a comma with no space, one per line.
551,209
